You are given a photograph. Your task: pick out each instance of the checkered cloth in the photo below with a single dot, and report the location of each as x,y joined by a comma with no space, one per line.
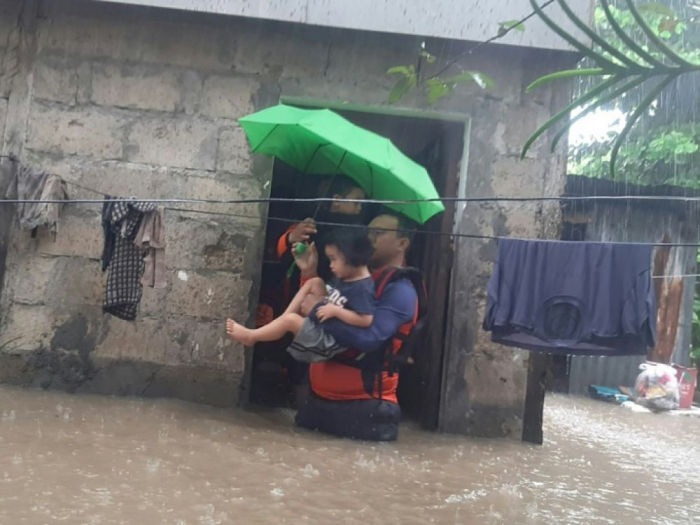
125,262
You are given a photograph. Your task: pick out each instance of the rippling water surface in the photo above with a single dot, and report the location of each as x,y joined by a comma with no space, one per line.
97,460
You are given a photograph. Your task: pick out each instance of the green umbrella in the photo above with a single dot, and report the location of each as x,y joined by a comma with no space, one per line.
322,142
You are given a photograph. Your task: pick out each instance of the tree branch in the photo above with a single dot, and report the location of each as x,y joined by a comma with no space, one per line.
499,35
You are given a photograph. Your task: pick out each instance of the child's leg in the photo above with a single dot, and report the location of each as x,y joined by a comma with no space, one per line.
315,287
288,322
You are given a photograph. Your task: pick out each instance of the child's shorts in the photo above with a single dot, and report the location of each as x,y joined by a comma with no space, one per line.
313,345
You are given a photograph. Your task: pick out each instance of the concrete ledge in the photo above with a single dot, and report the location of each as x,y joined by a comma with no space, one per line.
67,371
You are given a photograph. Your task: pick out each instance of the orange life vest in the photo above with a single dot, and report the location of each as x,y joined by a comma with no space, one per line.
353,375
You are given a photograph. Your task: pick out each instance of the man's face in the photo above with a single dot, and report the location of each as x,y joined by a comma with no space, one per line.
385,239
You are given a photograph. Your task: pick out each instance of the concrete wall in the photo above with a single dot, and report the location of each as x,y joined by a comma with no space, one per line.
123,106
134,101
484,384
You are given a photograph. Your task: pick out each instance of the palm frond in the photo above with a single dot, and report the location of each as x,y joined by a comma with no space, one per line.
632,63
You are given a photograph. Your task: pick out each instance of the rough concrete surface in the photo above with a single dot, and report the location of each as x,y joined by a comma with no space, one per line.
130,101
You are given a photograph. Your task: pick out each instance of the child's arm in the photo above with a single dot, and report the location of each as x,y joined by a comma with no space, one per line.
329,311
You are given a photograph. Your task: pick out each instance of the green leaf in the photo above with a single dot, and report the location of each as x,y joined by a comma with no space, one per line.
600,60
481,80
399,70
631,44
668,25
586,97
641,108
561,75
430,59
437,89
601,42
403,86
670,53
595,105
656,8
508,25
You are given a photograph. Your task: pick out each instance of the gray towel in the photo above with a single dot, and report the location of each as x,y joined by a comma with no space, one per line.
151,237
31,184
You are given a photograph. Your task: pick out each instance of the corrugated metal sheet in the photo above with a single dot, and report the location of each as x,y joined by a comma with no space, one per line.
617,222
453,19
604,371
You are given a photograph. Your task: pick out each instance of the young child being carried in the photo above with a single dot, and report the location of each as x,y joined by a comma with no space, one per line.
349,297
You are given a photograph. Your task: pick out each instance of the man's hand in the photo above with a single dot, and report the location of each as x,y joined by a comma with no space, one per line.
303,232
307,262
327,311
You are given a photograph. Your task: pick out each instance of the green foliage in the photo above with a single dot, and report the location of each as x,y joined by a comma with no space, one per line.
504,27
436,86
664,155
631,47
406,83
695,333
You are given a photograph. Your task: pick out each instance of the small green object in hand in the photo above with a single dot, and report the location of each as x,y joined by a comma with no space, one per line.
300,248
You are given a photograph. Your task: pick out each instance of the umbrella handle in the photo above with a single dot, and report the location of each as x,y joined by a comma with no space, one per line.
292,267
298,249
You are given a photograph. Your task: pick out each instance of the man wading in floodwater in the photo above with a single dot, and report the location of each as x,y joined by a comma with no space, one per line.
340,403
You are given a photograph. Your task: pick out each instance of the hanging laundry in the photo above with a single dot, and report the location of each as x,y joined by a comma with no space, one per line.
30,184
121,256
572,297
109,233
151,237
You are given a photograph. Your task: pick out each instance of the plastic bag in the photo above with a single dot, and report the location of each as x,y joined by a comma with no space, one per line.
657,387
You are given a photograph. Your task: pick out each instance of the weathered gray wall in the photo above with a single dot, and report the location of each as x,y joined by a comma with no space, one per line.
120,103
484,384
133,101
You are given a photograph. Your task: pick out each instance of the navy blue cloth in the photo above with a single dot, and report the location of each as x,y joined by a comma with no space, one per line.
572,297
357,296
395,308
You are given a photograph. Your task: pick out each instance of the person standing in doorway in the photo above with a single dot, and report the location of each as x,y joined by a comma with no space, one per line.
336,187
307,232
339,403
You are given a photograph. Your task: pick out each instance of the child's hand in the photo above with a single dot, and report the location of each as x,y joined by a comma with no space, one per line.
327,311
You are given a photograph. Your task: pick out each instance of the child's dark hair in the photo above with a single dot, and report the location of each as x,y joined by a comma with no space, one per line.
337,185
353,244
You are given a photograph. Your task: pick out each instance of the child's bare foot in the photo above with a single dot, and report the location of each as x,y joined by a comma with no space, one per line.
240,333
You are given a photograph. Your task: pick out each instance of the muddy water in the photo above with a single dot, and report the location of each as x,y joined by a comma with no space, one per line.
95,460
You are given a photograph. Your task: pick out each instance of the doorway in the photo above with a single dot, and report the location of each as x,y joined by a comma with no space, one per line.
436,144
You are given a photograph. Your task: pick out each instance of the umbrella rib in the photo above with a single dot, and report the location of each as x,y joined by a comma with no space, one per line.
266,137
308,165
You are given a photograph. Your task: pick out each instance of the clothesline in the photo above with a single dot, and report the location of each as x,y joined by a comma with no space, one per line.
319,200
337,224
114,200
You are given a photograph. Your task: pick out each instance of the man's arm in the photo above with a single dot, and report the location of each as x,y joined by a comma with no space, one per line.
395,308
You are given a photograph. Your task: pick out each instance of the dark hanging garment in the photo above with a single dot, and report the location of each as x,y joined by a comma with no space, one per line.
123,259
572,298
108,231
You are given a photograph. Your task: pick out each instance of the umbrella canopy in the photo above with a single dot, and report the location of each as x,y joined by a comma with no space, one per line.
322,142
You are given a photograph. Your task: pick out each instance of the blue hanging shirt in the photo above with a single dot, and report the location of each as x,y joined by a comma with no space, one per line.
572,297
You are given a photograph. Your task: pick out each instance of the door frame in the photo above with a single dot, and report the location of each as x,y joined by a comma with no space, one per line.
458,211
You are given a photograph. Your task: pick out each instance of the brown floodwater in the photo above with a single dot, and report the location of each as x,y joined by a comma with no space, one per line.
99,460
